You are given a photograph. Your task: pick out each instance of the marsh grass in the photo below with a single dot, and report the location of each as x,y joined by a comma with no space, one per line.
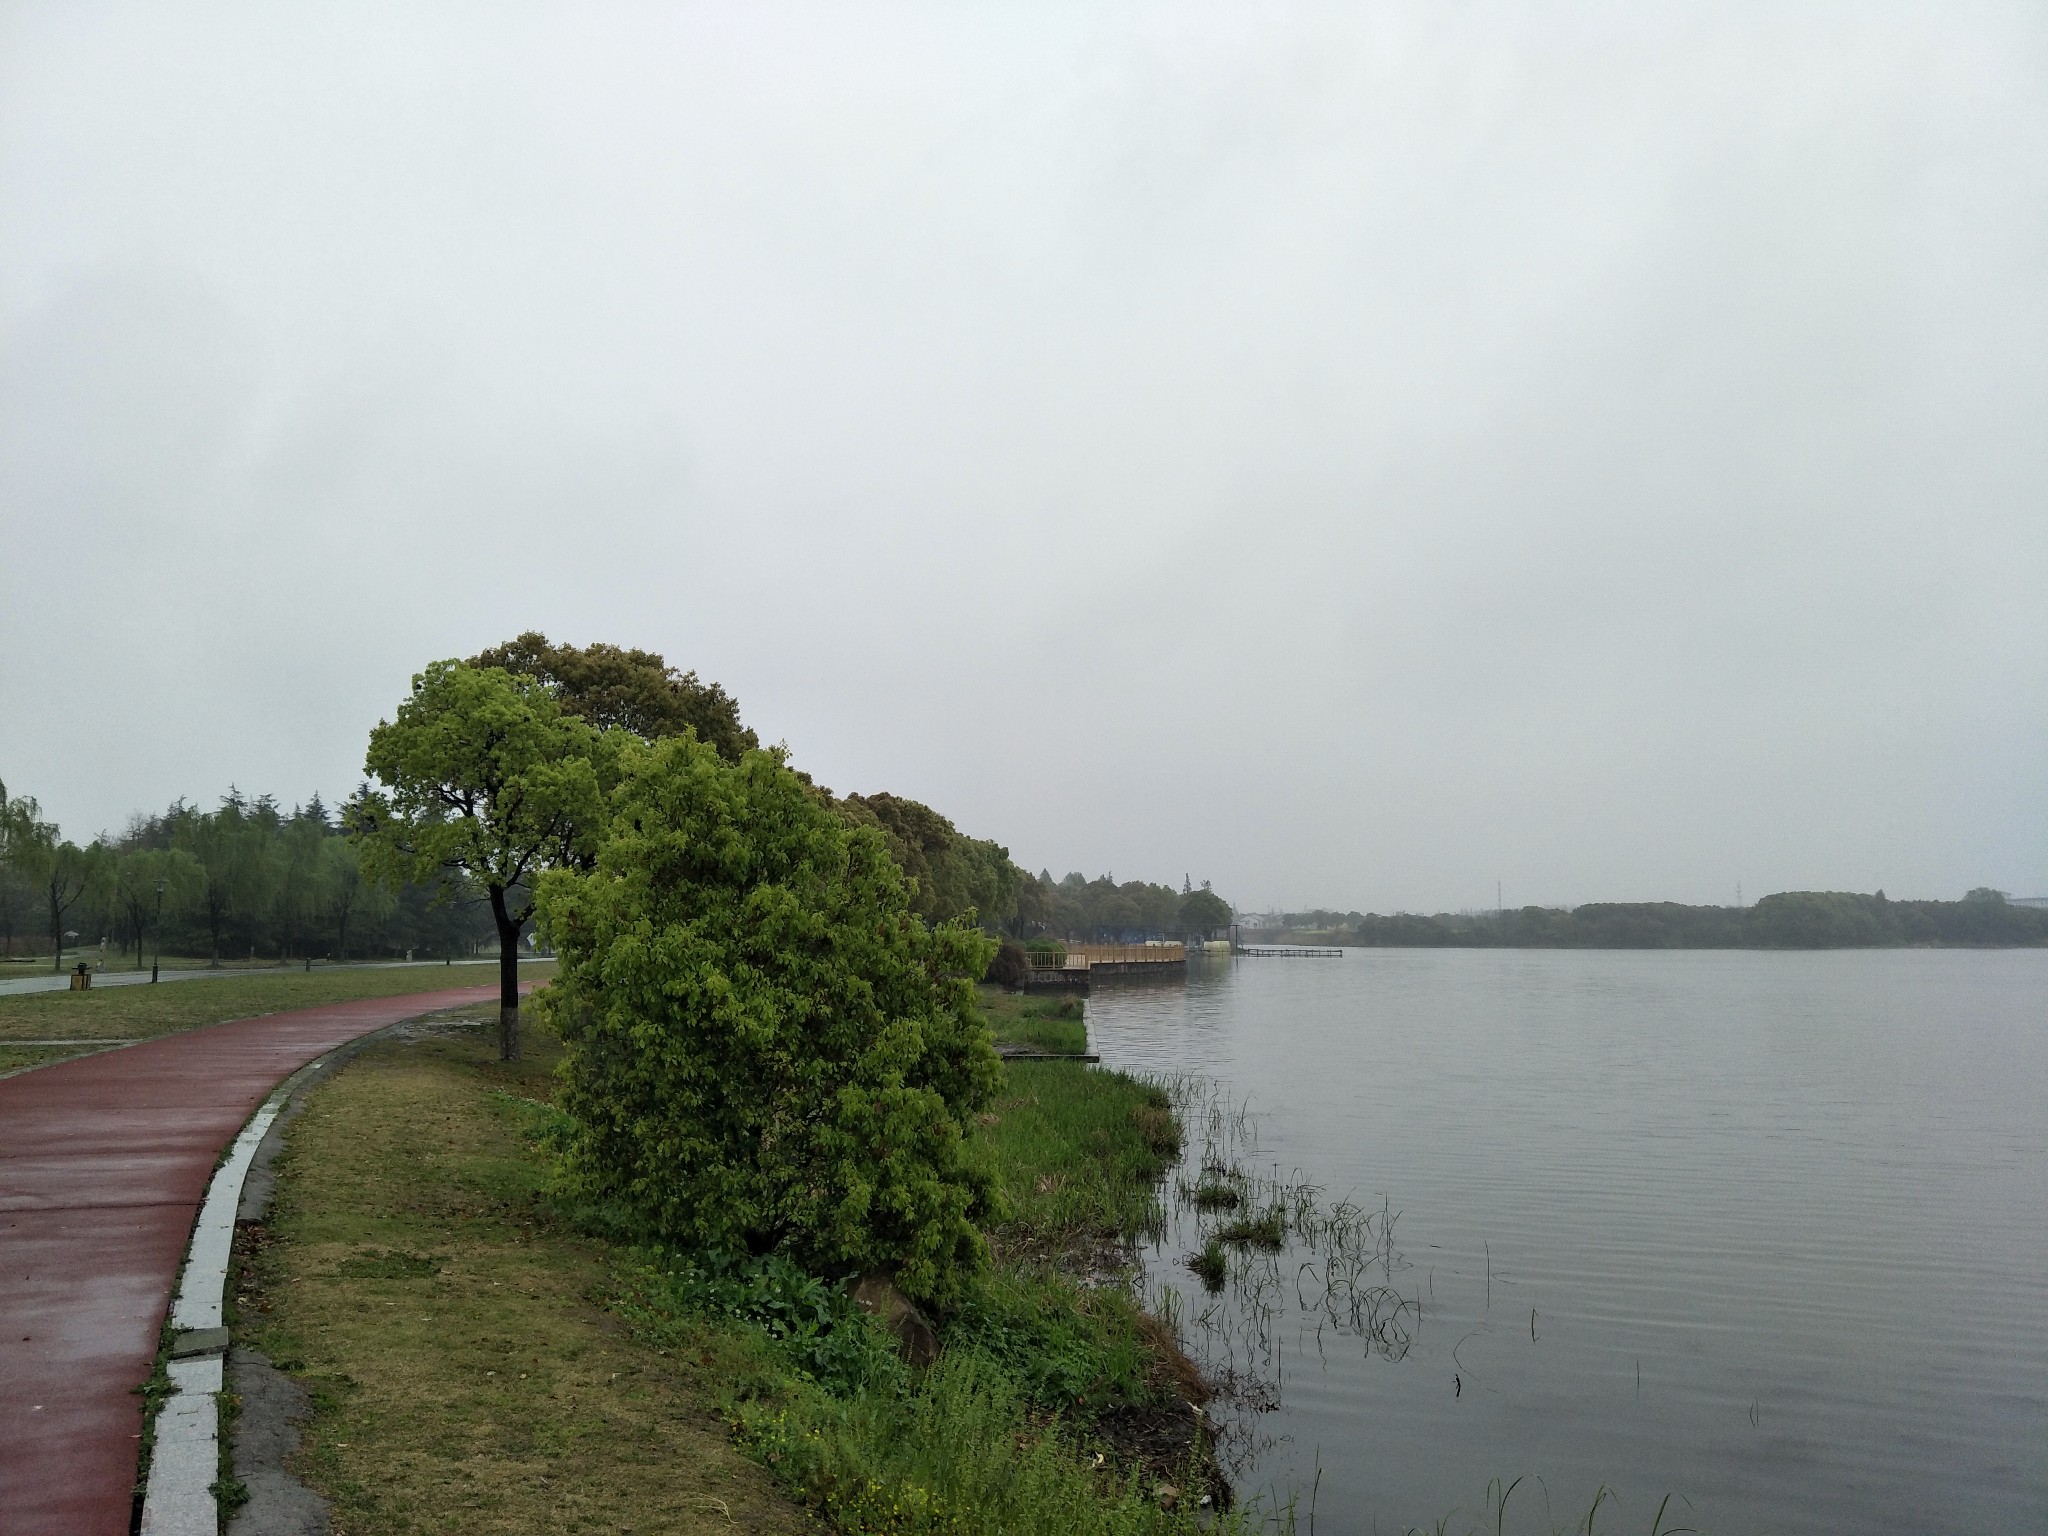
1077,1151
1267,1230
1054,1024
966,1453
1068,1349
1211,1265
1494,1515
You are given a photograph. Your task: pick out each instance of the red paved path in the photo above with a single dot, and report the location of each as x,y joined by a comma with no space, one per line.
103,1164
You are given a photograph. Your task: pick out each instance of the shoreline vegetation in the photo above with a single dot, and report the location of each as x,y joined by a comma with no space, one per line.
1984,919
481,1350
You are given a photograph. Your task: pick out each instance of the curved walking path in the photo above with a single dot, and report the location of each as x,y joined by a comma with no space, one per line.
104,1161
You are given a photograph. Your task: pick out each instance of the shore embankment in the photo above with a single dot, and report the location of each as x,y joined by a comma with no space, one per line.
478,1354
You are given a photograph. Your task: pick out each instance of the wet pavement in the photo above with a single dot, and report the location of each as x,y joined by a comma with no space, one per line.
104,1161
58,981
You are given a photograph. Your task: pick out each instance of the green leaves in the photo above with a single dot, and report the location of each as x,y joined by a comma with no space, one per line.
484,776
769,1051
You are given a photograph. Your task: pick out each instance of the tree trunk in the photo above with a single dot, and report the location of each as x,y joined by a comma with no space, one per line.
56,930
508,977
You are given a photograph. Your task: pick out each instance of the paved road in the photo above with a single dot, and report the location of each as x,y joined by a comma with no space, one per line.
103,1163
57,981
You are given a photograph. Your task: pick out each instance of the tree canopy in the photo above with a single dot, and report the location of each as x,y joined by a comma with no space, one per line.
954,874
637,691
769,1050
485,780
1203,912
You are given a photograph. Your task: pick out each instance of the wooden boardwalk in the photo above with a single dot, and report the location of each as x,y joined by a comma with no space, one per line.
1084,962
1292,951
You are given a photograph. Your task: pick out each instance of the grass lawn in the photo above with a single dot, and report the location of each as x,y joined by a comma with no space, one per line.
139,1013
115,959
465,1376
1042,1023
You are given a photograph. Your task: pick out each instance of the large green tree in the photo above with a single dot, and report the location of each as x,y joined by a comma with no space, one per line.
952,874
41,857
234,847
64,873
637,691
1203,912
346,894
17,816
486,782
146,880
768,1049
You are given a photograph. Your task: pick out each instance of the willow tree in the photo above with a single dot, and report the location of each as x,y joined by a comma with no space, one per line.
486,782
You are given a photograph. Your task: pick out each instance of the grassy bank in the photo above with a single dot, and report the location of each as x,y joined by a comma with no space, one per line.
1041,1023
143,1012
465,1375
480,1363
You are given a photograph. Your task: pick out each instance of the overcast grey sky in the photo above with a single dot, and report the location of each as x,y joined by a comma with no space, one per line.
1352,454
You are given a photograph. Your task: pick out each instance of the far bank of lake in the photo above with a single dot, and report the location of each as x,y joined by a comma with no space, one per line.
1760,1230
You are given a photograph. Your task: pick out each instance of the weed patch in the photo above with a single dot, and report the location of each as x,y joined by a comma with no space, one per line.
1267,1230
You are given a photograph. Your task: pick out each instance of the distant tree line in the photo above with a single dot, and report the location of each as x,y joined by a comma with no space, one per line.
956,874
247,879
1788,920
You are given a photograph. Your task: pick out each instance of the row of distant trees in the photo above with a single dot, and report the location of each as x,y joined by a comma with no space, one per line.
1787,920
1105,911
956,874
247,878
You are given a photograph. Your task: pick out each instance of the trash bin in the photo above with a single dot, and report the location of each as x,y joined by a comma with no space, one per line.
81,979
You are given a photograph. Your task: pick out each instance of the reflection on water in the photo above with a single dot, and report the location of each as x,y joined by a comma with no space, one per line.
1761,1232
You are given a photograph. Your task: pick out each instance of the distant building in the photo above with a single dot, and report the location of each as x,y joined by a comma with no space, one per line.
2027,901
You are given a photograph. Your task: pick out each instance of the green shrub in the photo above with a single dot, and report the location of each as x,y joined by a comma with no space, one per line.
767,1050
1011,967
815,1328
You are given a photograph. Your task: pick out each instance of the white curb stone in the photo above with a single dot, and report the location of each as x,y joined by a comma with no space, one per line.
185,1463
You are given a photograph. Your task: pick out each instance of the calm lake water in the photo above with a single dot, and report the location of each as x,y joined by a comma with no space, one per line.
1767,1232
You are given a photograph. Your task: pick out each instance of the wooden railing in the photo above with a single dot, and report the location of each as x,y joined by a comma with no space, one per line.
1081,956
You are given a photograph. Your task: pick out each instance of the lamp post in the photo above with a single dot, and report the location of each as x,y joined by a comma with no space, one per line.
158,960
